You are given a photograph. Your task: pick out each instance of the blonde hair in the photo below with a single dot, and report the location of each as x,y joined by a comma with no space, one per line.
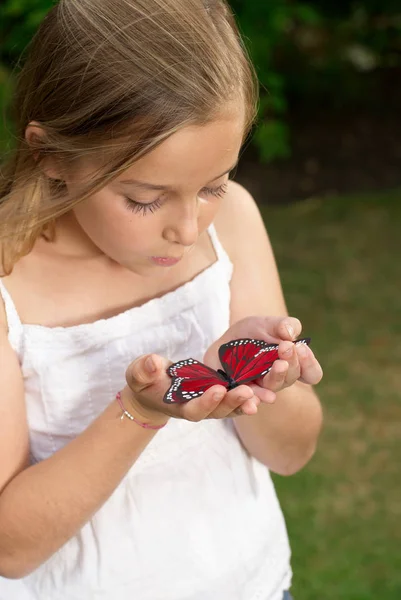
114,78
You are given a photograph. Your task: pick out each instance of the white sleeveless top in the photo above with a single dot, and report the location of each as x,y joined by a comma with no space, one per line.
195,518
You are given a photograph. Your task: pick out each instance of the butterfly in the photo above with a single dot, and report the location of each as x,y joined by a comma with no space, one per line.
243,361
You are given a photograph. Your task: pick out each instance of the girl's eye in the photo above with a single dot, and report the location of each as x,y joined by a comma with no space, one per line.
140,207
218,192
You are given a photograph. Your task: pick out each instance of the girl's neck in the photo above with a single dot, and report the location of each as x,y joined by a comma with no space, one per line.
72,242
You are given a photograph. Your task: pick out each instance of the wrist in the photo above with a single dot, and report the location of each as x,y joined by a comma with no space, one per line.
146,416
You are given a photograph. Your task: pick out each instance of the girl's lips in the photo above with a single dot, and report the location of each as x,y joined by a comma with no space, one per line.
164,261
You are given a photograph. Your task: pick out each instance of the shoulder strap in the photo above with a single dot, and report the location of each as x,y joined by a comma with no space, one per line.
13,321
218,248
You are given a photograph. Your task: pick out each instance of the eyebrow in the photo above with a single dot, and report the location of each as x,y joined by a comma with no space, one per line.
152,186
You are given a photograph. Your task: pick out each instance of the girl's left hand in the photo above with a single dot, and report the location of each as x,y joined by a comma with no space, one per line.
295,363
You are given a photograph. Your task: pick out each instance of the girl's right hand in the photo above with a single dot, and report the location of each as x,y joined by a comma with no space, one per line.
148,382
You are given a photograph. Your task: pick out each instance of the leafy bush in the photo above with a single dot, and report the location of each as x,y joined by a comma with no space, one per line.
299,48
20,19
311,50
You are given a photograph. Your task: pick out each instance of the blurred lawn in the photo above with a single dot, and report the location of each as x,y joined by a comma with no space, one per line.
340,264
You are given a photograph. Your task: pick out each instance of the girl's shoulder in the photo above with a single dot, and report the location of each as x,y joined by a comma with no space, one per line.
255,284
238,220
3,317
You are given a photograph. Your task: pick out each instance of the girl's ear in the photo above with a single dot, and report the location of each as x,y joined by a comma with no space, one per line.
35,137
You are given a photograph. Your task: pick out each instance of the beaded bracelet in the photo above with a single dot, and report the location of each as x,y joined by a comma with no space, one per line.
127,414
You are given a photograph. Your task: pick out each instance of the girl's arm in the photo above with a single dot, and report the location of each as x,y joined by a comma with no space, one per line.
44,505
283,435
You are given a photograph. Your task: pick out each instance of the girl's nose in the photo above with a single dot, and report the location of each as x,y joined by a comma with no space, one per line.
183,228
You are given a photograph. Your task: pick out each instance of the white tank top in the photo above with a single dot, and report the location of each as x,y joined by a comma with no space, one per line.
196,517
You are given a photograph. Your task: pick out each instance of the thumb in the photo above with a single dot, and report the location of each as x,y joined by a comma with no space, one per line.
145,371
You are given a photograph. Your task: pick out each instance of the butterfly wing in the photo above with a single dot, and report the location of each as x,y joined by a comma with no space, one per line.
245,360
303,341
191,379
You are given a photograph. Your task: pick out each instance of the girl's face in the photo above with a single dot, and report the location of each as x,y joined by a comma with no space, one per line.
155,211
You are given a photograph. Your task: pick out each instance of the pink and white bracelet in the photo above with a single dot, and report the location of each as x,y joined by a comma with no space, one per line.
132,418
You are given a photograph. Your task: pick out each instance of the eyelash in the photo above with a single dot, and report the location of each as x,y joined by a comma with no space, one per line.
139,207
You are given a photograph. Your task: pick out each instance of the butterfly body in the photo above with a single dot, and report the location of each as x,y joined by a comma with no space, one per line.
231,382
243,361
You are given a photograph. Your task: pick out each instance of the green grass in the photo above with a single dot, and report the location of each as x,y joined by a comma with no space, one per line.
340,262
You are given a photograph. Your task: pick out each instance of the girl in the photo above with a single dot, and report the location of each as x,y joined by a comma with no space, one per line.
125,247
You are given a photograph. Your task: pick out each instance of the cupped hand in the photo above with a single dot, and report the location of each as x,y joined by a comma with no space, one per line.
147,382
295,362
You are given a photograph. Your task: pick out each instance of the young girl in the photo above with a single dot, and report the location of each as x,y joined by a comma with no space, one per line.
125,247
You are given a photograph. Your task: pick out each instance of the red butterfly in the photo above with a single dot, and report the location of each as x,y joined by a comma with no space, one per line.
243,361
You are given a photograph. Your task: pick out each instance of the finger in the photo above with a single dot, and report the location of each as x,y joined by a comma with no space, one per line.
282,328
248,409
200,408
250,406
287,352
311,371
264,395
275,379
241,396
288,328
270,329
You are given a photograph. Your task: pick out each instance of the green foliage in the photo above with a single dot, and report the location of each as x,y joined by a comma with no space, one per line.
265,25
310,50
271,137
304,49
6,124
20,19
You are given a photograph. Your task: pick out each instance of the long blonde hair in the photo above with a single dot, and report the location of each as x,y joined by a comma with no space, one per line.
114,78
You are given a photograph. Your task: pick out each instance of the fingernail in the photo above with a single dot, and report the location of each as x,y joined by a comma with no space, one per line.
290,330
218,397
150,365
288,352
254,407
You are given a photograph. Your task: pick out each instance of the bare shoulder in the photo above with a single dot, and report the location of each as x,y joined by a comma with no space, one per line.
239,221
3,318
255,285
14,437
237,198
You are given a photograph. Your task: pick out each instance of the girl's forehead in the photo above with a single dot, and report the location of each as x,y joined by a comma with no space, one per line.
199,151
